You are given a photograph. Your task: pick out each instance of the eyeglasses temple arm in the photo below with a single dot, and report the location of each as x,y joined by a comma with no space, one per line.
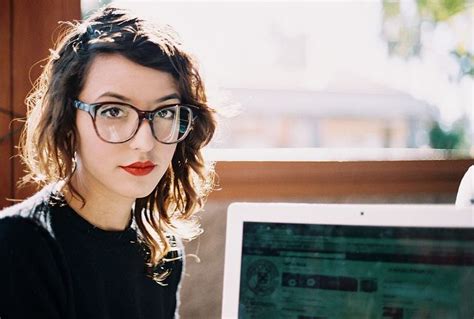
82,106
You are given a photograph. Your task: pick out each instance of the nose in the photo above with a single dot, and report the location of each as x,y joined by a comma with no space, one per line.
143,139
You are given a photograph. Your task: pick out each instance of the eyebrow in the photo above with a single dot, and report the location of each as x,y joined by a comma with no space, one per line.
126,99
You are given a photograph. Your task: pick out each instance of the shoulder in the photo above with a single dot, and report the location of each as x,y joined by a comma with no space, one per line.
33,272
174,265
21,236
34,210
35,202
26,249
17,227
27,245
170,268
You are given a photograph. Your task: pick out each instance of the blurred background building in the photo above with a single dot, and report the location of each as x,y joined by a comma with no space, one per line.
339,117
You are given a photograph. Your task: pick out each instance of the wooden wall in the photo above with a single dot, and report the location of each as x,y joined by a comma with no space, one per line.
6,175
264,180
26,29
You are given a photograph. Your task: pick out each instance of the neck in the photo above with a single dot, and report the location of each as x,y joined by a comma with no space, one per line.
102,209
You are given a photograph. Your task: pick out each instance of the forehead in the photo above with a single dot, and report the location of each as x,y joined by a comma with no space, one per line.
115,73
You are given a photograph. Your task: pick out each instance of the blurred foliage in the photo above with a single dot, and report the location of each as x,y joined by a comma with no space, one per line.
441,10
465,61
391,8
449,139
402,32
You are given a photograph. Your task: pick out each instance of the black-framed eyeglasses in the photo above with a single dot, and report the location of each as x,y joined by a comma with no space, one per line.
118,122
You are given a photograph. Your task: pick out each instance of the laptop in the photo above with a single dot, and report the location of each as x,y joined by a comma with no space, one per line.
315,261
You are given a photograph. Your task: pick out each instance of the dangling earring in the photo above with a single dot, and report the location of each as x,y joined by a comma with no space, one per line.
74,162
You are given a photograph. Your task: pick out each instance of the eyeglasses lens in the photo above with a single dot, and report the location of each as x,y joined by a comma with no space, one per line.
117,123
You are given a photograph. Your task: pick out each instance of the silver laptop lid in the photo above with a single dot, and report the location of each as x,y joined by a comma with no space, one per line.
310,261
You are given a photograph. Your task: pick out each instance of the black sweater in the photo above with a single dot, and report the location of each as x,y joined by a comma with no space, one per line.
73,270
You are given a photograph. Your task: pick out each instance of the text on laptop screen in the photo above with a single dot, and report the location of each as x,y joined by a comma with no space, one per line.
306,271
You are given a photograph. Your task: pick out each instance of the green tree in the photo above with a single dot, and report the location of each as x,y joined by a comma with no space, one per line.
449,139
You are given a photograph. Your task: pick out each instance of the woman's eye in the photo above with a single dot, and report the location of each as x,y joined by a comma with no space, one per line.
166,114
112,112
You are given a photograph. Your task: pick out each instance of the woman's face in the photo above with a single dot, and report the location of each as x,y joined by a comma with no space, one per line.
104,167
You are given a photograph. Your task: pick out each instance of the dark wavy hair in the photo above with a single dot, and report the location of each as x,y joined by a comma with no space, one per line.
49,139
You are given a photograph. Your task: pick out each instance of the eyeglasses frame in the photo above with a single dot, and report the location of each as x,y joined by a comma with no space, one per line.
142,115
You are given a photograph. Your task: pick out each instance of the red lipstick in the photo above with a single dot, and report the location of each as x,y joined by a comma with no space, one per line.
139,168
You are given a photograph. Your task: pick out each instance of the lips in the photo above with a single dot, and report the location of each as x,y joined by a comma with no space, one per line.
139,168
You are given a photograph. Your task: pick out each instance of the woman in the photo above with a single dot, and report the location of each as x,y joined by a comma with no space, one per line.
115,127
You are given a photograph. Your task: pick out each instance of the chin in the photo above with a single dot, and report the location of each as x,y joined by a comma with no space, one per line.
133,187
138,192
134,194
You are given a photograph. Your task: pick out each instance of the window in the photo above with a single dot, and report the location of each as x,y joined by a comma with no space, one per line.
366,74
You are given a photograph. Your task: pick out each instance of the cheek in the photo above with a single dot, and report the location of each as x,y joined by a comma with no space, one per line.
84,125
171,150
165,153
90,146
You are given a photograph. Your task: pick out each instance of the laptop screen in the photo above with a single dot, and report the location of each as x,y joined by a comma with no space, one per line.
307,271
